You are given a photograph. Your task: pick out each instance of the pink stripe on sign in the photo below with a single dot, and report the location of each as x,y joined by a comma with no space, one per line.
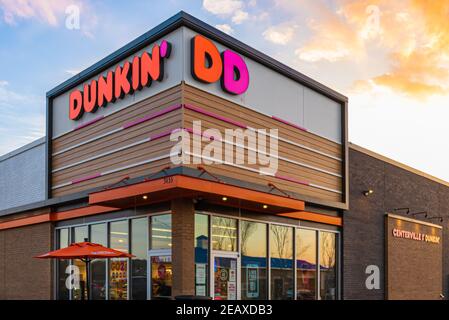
305,183
288,123
216,116
88,123
151,116
96,175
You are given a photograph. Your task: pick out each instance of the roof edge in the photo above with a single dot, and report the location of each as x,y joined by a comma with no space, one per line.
23,149
184,19
398,164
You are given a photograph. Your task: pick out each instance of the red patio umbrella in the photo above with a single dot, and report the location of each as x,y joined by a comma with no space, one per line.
86,252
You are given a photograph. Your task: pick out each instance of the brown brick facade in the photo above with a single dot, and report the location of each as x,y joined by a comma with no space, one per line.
21,275
364,223
413,265
183,252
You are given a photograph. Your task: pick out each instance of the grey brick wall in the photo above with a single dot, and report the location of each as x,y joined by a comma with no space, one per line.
22,175
364,223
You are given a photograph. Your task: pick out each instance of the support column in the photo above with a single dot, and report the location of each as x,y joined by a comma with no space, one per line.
183,250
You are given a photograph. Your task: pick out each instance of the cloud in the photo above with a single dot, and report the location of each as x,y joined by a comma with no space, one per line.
222,7
73,72
410,36
51,12
226,9
22,118
239,17
281,34
226,28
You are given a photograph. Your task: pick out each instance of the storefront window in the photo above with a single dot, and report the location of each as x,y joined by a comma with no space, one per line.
328,267
80,234
63,242
201,254
98,234
224,234
161,276
306,266
139,248
118,270
161,232
281,252
254,260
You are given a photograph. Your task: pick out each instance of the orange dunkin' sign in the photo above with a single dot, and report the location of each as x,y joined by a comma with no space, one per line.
208,65
122,81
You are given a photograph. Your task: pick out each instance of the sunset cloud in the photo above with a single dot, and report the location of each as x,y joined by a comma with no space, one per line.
411,35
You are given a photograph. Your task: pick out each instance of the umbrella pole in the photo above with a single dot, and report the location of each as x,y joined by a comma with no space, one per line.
87,279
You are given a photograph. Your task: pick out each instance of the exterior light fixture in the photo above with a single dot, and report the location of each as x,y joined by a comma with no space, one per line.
224,199
421,212
407,210
145,197
265,206
440,218
368,192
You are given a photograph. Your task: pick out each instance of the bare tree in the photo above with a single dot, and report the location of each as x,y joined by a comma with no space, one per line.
246,230
282,240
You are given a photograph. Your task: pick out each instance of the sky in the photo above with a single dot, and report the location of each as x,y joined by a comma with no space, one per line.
391,58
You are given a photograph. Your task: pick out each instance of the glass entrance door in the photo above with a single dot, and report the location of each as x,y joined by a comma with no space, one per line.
161,271
225,277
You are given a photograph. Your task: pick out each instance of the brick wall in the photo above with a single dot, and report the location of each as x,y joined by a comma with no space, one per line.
183,252
364,225
22,276
414,268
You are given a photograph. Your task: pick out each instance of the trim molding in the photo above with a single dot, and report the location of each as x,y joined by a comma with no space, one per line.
395,216
315,217
405,167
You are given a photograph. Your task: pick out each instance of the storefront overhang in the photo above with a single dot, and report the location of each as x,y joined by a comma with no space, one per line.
315,217
179,186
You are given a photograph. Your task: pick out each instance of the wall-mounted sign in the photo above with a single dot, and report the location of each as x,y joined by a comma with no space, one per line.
209,66
126,79
398,233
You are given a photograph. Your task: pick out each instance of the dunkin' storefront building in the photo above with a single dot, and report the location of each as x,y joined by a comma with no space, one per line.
224,172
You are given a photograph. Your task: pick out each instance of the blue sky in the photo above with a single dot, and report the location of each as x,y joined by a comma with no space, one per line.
391,58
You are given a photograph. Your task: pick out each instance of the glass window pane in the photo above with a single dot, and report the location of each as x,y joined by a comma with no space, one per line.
63,242
281,251
254,260
80,234
118,271
306,264
98,234
328,267
201,254
224,234
161,232
139,248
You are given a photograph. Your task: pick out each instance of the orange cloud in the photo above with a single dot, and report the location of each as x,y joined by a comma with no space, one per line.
411,35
